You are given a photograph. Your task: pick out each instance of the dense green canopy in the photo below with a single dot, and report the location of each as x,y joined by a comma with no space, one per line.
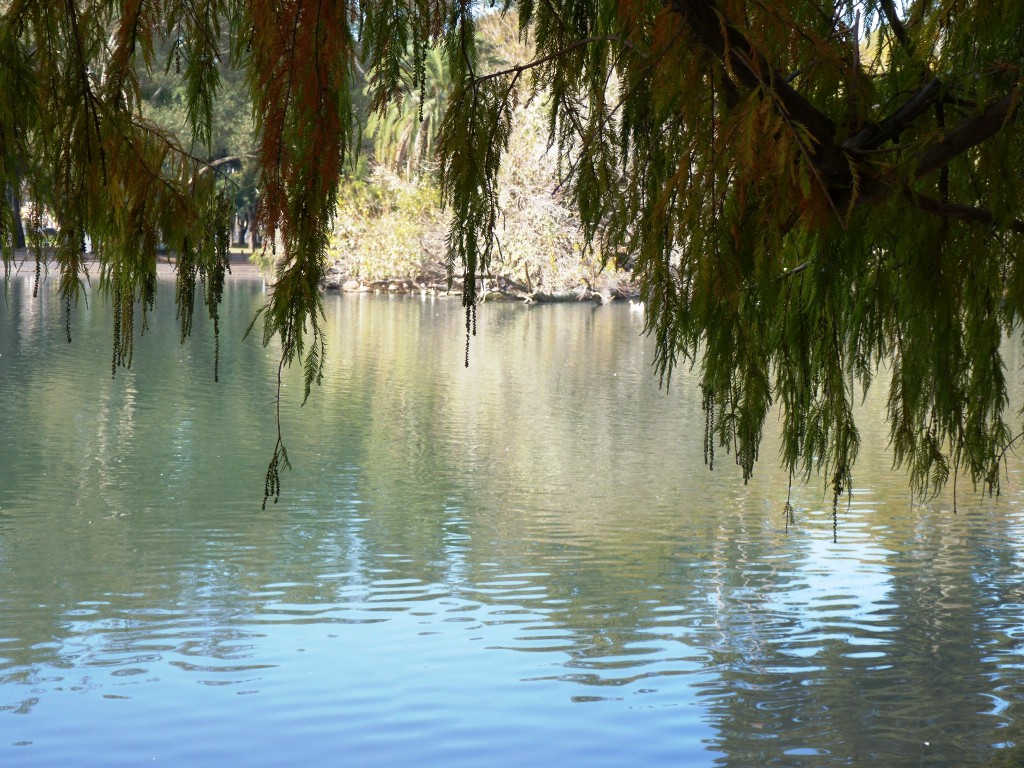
813,192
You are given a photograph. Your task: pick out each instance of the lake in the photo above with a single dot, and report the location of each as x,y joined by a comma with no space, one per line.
525,562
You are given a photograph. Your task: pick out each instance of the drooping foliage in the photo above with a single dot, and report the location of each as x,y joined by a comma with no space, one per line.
230,147
405,134
814,193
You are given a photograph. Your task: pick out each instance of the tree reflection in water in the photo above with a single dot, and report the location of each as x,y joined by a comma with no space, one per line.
539,528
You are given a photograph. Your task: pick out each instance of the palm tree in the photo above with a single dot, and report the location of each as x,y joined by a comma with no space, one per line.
404,137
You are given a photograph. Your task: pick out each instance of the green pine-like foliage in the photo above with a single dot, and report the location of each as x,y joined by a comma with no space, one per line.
814,194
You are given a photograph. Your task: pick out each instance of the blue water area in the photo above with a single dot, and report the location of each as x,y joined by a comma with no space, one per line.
523,562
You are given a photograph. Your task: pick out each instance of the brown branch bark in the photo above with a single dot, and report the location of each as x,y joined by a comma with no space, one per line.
889,9
970,133
961,212
734,50
831,161
214,164
873,136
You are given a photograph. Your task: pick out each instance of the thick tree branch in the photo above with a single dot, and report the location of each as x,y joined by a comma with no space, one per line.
889,9
961,212
873,136
734,50
831,162
215,164
970,133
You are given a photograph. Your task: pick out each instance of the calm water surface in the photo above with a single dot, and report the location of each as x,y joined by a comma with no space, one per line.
522,563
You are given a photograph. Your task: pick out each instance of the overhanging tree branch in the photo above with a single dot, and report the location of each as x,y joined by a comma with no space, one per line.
968,213
518,69
873,136
726,43
970,133
213,165
891,16
751,68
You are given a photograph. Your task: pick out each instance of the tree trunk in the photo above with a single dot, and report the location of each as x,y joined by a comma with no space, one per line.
241,230
14,199
254,236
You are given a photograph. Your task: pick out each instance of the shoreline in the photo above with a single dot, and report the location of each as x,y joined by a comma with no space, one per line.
494,288
24,263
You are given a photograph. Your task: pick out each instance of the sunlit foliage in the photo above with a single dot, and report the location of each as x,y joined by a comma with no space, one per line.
387,226
405,134
814,193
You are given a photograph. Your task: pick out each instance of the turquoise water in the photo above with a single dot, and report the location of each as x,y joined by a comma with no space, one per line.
520,563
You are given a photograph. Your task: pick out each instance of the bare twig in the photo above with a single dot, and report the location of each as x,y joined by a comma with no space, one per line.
520,68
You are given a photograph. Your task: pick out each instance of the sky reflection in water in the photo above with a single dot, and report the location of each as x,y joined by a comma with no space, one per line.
525,562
